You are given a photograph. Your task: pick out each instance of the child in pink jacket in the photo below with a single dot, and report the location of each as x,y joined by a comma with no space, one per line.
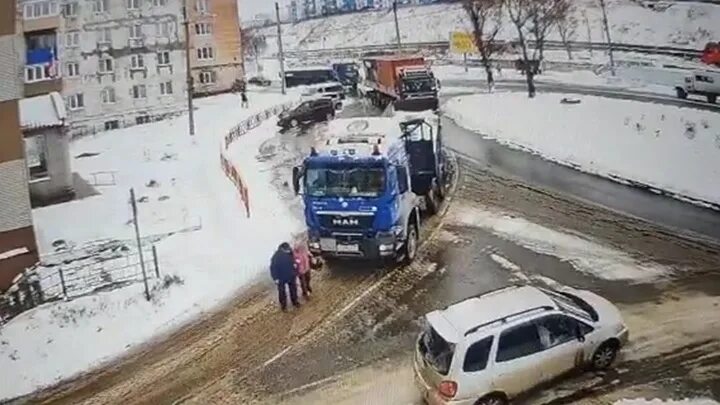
302,267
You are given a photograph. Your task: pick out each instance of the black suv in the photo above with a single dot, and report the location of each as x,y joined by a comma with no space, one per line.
308,112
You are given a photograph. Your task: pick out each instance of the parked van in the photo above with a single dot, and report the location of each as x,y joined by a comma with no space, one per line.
330,90
703,82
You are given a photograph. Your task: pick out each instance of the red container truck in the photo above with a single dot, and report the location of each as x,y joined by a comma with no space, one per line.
405,81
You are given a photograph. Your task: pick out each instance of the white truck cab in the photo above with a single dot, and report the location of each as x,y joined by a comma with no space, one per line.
703,82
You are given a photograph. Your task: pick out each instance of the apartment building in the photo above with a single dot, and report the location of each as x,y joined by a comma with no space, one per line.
216,50
18,249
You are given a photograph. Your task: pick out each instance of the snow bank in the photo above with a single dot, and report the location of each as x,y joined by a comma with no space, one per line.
676,150
696,401
202,268
584,254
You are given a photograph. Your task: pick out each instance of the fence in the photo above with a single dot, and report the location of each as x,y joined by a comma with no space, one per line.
98,266
230,170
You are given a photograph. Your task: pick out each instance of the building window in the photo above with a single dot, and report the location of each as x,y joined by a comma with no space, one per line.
105,65
139,91
160,2
164,29
207,77
72,69
108,95
137,62
163,58
36,156
40,9
166,88
105,36
76,101
142,119
72,39
201,5
133,4
70,9
204,53
136,31
99,6
203,29
37,73
114,124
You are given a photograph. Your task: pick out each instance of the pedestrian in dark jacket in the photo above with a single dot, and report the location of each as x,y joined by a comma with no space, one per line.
282,270
244,99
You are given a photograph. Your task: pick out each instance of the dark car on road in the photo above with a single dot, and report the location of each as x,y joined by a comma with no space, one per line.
310,111
259,81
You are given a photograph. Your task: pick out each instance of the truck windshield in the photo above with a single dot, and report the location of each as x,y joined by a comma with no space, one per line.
345,181
418,85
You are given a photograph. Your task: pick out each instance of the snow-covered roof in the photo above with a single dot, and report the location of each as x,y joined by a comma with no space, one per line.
43,111
453,322
308,68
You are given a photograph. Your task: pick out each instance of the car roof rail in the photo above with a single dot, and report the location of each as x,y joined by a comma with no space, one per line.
505,318
487,293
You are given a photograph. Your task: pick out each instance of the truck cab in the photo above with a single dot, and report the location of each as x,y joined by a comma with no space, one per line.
701,82
360,200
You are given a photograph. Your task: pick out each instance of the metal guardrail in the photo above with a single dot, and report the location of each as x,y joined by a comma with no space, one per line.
550,45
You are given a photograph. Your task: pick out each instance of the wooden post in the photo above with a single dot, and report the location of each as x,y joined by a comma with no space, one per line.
133,203
155,262
62,283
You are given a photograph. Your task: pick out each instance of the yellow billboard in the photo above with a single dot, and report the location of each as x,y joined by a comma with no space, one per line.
462,42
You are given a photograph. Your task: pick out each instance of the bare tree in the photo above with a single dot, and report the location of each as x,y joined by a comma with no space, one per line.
567,24
606,25
486,17
533,20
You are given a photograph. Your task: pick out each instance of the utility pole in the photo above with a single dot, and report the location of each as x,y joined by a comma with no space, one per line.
280,48
188,72
607,36
133,203
397,26
589,34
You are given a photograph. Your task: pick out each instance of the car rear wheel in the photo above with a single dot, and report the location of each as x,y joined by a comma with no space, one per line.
681,93
712,98
605,355
491,400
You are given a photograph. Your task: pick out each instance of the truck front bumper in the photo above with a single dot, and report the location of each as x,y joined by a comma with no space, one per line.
355,246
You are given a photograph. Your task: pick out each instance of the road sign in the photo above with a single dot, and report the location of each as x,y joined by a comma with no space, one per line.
462,42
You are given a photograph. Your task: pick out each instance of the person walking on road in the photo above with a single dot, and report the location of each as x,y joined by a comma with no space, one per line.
282,270
302,267
244,99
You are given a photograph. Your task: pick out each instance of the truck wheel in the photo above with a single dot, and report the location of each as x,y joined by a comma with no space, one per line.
712,98
681,93
411,243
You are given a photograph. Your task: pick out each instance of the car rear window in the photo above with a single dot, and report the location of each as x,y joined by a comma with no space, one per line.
436,351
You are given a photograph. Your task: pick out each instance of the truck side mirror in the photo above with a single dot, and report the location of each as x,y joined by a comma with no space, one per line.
402,179
296,176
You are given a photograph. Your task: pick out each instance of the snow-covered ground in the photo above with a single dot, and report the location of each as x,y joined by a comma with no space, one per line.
584,254
675,150
694,401
180,182
689,25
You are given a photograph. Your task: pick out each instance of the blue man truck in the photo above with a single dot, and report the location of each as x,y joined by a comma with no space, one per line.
365,186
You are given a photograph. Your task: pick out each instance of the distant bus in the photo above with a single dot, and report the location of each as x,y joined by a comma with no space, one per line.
308,76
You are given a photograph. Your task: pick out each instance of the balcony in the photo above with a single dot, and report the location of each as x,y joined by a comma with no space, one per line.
40,16
42,78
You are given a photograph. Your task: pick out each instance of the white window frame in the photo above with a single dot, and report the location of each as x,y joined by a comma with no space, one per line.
207,77
164,29
100,6
72,39
106,65
136,31
37,73
202,29
104,36
159,3
108,96
70,9
205,53
133,4
163,58
202,6
72,69
166,88
36,156
40,9
139,92
137,61
76,102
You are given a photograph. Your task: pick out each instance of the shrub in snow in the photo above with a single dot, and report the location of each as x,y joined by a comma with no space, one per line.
690,130
705,124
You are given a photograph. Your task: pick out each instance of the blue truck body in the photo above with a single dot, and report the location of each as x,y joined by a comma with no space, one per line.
359,192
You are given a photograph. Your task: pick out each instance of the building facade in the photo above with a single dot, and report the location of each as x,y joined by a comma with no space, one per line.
18,248
216,50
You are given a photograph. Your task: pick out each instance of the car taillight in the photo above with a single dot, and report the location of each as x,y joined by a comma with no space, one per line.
448,389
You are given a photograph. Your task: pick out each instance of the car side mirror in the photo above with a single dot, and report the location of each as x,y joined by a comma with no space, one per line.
296,176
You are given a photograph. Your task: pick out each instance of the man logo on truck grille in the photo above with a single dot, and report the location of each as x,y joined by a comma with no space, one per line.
345,221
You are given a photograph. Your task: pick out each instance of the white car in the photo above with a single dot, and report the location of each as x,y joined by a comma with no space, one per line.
703,82
489,349
331,90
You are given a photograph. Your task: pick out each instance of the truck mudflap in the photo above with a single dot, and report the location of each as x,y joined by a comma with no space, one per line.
416,104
